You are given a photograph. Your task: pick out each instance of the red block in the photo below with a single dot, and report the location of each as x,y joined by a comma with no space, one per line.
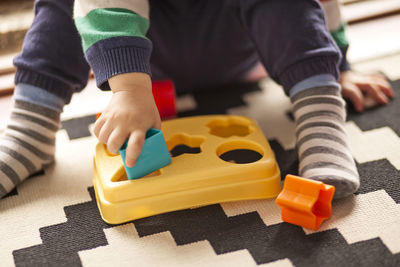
164,96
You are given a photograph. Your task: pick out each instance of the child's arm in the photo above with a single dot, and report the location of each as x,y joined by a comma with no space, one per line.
114,40
130,113
357,87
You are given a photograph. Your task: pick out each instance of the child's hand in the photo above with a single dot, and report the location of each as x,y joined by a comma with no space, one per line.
359,88
130,113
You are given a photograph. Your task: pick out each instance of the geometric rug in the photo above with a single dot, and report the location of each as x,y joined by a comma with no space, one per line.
52,218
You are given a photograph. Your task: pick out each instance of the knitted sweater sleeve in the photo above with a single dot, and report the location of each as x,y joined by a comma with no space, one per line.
113,35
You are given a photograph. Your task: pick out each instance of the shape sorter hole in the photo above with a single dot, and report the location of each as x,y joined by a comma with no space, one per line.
240,152
184,144
184,149
233,126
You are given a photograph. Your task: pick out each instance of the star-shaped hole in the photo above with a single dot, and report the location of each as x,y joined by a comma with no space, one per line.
184,144
227,127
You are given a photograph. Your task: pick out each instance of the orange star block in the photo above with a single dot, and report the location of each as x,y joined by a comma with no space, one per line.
305,202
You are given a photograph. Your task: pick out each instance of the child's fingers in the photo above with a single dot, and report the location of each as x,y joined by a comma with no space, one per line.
116,140
385,87
135,144
380,81
382,97
97,126
105,133
375,92
355,96
157,124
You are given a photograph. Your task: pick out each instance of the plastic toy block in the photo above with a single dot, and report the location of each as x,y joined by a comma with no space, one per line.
207,176
164,96
154,155
305,202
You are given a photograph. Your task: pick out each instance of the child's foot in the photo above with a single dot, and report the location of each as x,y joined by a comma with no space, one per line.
321,140
27,144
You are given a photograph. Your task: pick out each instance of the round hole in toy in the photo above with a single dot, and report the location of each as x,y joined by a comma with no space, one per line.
240,152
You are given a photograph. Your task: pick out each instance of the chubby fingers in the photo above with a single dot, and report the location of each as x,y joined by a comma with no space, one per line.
110,135
384,86
98,125
354,95
134,147
157,124
105,132
374,91
116,139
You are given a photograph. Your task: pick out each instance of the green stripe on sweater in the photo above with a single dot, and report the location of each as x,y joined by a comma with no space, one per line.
339,36
104,23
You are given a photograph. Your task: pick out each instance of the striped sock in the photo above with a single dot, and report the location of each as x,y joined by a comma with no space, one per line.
28,143
321,141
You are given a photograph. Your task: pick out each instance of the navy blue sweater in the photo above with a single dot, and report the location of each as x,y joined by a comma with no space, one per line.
195,43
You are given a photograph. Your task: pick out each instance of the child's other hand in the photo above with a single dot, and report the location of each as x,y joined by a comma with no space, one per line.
363,88
130,113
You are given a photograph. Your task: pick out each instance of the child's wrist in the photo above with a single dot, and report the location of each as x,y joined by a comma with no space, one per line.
130,82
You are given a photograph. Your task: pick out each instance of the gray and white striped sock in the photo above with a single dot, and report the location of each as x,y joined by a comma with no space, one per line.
321,140
28,143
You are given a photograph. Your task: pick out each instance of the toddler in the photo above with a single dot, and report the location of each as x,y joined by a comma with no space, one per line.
206,43
198,44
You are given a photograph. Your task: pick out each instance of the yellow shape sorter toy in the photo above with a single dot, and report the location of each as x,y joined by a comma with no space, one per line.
207,174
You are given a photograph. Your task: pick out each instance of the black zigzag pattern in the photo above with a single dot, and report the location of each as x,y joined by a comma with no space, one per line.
61,242
377,175
84,230
266,243
78,127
